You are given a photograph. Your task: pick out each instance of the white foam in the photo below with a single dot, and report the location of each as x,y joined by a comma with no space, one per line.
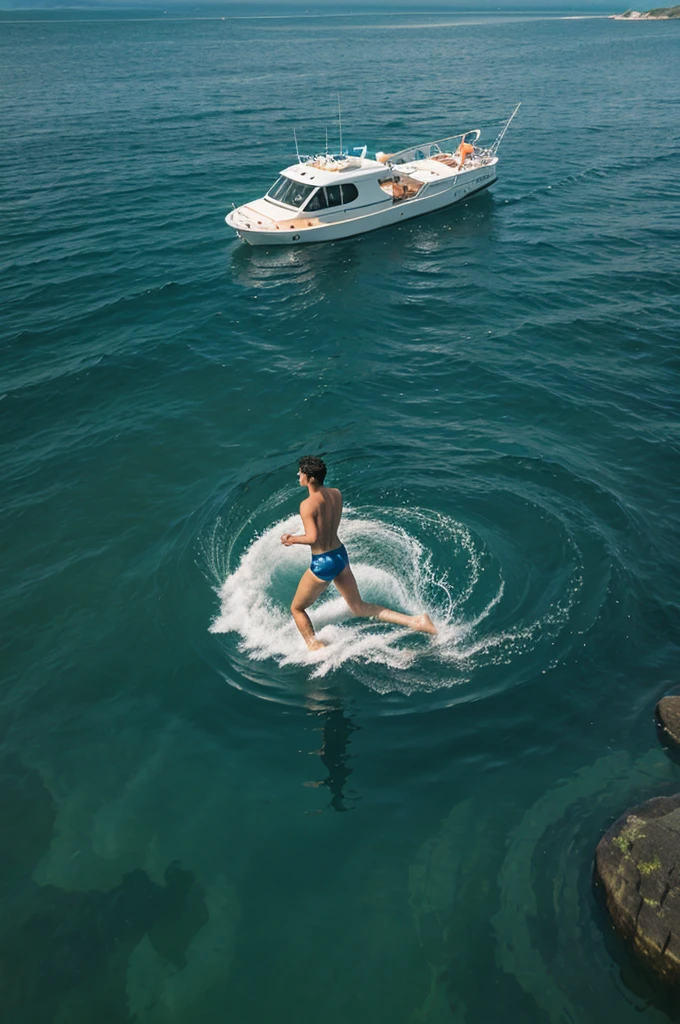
392,567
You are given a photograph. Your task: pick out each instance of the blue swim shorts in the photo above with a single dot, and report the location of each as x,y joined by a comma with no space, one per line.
330,564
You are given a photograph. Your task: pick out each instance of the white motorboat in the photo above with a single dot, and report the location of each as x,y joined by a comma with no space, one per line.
327,197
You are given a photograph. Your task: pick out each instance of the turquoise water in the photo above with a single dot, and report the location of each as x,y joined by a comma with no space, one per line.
202,822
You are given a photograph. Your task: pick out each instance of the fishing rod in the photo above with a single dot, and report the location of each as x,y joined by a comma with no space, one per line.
494,148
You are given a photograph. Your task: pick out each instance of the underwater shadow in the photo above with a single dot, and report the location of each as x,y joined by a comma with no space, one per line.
65,948
336,729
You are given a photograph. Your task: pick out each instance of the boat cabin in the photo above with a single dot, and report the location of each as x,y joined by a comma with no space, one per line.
325,186
333,184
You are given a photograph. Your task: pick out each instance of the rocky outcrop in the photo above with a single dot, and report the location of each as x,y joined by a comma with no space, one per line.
657,14
668,718
638,863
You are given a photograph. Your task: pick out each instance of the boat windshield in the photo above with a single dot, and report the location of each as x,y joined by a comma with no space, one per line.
289,192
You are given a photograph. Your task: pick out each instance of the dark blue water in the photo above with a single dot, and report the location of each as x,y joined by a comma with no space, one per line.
202,822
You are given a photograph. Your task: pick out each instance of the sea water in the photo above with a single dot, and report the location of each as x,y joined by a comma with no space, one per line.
202,821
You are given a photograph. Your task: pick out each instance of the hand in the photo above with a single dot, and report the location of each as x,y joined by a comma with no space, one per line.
287,539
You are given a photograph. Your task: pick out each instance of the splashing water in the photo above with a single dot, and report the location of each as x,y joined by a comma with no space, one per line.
455,580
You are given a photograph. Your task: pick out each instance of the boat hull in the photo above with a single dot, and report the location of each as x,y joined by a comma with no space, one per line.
467,185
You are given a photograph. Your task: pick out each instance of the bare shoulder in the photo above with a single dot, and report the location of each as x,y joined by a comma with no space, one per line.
336,498
309,504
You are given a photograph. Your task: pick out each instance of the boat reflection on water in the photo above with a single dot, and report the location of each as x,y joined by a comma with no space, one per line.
322,271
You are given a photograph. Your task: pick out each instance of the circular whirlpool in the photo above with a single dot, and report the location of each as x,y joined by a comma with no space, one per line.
511,581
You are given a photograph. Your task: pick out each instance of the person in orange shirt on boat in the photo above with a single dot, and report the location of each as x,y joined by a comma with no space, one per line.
464,151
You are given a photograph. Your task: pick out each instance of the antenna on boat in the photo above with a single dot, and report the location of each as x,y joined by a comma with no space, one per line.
340,123
494,148
297,151
326,141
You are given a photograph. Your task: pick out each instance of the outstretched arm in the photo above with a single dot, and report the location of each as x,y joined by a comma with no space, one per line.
310,534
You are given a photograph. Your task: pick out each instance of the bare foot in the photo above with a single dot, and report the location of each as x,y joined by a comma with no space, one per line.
424,624
317,645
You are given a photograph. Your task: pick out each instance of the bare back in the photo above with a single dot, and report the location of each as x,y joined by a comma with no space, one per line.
324,507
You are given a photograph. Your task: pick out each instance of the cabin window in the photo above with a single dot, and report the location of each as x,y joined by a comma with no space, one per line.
333,195
349,193
289,192
317,202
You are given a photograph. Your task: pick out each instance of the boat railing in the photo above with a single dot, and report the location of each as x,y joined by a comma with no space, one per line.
431,149
333,161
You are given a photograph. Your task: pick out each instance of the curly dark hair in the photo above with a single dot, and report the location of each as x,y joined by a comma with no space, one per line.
314,467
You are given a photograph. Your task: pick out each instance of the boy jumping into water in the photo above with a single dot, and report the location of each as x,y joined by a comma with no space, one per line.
321,513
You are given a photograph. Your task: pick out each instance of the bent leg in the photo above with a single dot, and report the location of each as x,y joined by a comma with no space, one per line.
309,588
347,586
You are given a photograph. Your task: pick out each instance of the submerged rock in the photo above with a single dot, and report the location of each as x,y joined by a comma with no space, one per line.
636,862
668,717
191,981
64,955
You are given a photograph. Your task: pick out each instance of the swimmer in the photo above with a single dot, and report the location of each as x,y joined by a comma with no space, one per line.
321,513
